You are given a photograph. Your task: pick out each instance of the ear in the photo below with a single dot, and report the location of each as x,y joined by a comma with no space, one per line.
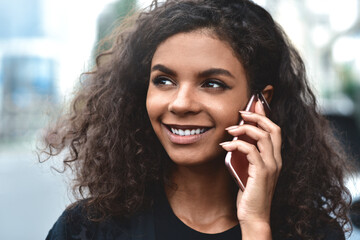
268,92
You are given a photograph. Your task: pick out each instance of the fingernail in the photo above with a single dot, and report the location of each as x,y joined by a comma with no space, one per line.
224,143
245,112
231,128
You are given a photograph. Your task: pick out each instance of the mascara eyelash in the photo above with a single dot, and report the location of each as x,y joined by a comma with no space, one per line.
220,83
157,80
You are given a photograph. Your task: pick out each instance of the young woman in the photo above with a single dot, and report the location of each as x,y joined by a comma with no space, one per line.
149,129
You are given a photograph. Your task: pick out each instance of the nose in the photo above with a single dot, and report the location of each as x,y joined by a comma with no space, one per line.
185,101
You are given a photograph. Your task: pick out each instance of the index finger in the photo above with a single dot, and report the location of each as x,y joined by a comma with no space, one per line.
269,126
262,121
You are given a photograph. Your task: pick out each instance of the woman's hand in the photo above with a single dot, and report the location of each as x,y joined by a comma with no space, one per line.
254,204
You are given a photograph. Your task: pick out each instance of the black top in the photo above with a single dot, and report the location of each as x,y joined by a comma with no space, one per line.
169,226
158,223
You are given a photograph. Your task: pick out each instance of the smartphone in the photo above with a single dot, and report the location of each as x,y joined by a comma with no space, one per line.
236,161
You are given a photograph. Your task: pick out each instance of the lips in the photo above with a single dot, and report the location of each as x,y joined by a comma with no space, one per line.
181,134
187,132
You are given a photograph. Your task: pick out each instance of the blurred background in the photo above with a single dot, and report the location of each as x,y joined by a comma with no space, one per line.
46,44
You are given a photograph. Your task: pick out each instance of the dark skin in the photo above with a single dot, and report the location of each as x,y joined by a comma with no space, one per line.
198,84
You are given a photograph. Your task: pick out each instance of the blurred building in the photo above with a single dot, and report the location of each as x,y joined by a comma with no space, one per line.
27,71
327,34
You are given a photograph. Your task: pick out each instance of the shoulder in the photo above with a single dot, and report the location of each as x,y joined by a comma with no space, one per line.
74,224
323,227
332,231
328,228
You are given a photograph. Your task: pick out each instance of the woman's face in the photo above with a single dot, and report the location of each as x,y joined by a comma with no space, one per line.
196,88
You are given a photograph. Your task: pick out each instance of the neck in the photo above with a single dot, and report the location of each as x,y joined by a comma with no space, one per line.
205,197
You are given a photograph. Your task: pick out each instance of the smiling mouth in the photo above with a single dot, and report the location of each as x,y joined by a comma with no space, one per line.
186,131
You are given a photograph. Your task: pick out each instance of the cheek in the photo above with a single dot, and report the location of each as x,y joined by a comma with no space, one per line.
230,116
154,105
226,111
150,106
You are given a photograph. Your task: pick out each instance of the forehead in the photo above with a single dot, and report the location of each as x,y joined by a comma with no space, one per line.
203,33
200,47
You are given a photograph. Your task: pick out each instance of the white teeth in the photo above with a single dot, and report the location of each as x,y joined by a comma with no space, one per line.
187,132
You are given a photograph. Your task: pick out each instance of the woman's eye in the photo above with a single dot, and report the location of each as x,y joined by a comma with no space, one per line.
163,81
216,84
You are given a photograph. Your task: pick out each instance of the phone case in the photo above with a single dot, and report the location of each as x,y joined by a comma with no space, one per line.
236,161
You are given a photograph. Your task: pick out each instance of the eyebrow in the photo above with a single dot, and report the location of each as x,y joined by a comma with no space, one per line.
204,74
215,71
163,69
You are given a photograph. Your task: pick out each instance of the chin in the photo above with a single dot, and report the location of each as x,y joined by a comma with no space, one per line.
188,160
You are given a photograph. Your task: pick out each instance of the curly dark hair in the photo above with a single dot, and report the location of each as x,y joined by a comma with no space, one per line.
117,158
